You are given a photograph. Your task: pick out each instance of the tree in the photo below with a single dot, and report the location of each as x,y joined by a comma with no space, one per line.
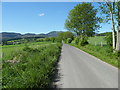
109,10
82,20
66,35
52,39
118,31
61,35
69,40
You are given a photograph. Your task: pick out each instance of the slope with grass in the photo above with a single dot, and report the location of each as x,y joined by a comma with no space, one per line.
97,40
103,52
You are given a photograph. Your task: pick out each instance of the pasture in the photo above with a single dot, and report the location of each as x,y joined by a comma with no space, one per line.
8,50
97,40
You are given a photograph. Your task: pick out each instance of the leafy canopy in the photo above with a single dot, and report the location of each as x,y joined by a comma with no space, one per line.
82,20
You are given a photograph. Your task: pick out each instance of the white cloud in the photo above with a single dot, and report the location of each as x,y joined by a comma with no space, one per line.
41,14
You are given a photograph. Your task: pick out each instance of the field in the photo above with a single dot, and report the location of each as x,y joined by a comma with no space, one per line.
97,40
103,52
29,66
7,50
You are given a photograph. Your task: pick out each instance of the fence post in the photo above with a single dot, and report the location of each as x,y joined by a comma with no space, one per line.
101,44
95,43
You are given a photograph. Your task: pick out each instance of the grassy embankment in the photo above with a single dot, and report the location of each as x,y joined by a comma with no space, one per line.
29,66
102,52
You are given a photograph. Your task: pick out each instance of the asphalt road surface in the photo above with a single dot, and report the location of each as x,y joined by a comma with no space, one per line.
77,69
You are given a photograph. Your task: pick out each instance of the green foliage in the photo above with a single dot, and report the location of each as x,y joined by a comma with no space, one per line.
109,10
31,67
69,40
77,40
47,39
65,35
40,40
58,39
52,39
117,54
83,20
108,39
83,41
106,9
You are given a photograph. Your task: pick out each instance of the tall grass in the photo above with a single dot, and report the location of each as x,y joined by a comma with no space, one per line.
31,67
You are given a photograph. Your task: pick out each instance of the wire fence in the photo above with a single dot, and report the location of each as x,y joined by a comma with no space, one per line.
99,43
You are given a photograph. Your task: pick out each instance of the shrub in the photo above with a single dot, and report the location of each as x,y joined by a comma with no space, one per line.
83,41
58,39
117,54
77,40
52,39
47,39
69,40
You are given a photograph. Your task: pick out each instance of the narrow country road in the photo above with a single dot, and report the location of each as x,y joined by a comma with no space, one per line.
77,69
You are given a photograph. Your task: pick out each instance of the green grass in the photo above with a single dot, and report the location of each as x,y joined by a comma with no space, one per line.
7,50
97,40
105,53
34,67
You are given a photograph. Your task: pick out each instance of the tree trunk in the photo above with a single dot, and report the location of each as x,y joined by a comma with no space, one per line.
113,24
118,30
113,31
118,39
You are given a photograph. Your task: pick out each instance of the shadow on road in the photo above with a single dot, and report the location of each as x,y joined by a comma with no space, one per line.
57,76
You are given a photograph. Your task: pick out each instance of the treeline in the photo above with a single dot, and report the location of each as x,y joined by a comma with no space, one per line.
27,40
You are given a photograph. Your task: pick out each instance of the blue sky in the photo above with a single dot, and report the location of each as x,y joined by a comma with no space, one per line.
38,17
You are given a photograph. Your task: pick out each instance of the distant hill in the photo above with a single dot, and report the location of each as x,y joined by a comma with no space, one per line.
53,33
12,35
104,34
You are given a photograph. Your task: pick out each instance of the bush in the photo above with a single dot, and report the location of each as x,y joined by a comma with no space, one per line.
52,39
47,39
77,40
117,53
58,39
69,40
83,42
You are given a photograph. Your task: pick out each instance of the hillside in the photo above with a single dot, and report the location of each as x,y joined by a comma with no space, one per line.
12,35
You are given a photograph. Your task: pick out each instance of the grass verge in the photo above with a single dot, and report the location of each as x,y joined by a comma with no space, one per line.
104,53
31,67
